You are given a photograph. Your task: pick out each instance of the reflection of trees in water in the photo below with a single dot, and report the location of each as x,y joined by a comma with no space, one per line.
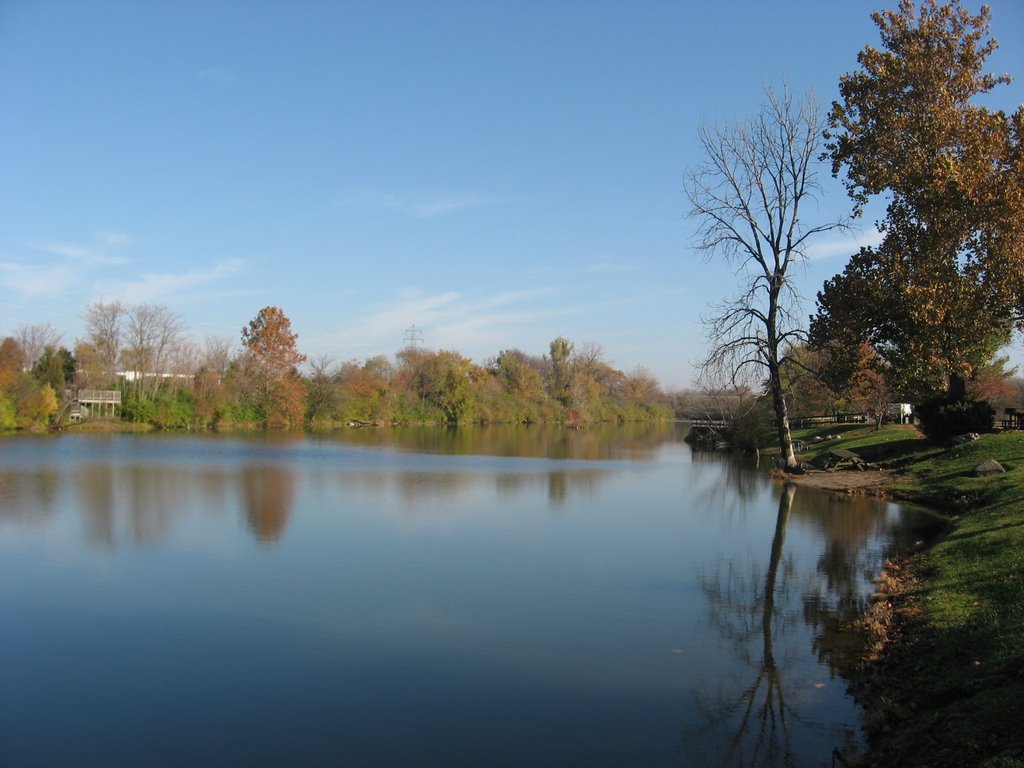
728,491
268,492
552,441
560,484
414,485
754,725
829,608
558,487
157,496
843,518
845,568
28,498
144,503
146,500
419,489
95,487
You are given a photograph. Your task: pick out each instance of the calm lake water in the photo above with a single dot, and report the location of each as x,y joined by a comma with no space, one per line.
486,597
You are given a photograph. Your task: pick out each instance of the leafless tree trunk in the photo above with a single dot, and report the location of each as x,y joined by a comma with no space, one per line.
747,195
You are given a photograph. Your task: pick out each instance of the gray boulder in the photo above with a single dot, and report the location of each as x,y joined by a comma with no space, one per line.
986,468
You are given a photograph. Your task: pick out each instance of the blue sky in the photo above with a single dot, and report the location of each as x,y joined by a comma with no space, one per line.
497,174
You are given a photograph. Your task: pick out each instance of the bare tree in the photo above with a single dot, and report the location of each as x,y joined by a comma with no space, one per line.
182,361
589,357
321,387
34,338
153,332
167,339
103,325
216,356
747,195
137,355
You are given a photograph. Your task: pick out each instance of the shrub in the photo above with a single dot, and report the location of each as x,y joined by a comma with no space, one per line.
750,430
8,411
942,418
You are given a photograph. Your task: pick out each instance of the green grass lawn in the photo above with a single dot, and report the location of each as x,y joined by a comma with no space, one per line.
972,599
950,690
887,447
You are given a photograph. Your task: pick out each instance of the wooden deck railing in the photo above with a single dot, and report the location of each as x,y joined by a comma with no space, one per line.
100,396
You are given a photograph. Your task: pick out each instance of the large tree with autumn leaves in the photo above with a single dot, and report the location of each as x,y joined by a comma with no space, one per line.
270,368
945,288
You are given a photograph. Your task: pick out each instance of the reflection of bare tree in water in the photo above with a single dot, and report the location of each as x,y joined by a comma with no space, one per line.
754,726
95,486
268,492
729,491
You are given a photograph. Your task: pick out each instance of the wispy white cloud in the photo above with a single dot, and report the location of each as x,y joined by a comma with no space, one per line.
101,250
37,280
64,250
159,286
55,269
115,239
449,319
844,246
418,206
76,253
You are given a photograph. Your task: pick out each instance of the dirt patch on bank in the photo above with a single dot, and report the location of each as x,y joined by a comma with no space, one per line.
869,482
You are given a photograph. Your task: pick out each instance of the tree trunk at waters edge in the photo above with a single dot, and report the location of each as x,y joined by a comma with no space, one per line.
782,425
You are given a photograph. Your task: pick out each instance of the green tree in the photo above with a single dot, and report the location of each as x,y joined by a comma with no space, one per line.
748,196
55,367
942,292
560,373
517,376
449,385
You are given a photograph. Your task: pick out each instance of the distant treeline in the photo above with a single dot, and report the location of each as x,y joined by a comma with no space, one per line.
168,382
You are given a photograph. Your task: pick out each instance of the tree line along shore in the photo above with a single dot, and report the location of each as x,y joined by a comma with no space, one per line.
140,371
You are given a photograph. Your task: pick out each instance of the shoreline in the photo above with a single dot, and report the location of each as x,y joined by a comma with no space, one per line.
886,665
870,482
940,674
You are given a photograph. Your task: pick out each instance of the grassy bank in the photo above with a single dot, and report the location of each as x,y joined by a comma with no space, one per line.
943,675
